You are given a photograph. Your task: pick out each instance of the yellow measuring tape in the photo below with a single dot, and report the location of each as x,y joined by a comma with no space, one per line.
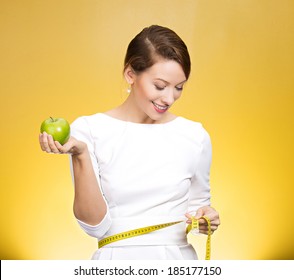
145,230
195,225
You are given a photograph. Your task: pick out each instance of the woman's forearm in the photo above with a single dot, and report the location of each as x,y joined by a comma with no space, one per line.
89,204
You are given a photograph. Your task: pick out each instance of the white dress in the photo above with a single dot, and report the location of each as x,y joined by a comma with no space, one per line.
149,174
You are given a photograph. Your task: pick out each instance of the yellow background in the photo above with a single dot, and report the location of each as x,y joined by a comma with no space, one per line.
65,57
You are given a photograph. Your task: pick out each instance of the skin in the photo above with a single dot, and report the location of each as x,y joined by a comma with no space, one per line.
161,84
89,205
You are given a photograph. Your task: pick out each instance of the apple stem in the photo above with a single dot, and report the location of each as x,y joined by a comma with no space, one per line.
52,119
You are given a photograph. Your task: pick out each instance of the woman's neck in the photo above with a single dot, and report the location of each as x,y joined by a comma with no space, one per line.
127,111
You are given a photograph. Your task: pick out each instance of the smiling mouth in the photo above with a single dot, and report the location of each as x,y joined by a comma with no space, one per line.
160,108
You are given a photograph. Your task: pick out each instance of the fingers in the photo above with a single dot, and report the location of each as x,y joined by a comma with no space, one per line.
52,145
189,216
204,229
60,148
72,146
213,221
48,144
44,142
200,213
208,212
64,149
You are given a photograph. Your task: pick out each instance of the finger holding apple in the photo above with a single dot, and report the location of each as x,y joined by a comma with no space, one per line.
72,146
53,131
55,138
58,128
48,144
44,140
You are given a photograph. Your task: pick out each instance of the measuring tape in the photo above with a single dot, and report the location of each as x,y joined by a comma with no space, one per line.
195,225
145,230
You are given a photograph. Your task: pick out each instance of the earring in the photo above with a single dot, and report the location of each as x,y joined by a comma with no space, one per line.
129,89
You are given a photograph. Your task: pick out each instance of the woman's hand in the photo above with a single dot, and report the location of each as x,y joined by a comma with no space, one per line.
210,213
72,146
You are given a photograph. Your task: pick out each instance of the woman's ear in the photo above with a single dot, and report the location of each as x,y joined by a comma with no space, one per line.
130,75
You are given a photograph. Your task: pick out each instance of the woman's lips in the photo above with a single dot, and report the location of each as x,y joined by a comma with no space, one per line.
160,108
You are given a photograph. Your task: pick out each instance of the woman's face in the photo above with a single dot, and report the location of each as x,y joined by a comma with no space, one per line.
156,89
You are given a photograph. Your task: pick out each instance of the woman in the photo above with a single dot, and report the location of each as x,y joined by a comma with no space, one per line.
138,164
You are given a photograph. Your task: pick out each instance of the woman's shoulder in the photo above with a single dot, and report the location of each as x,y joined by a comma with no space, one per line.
192,129
189,124
94,119
95,126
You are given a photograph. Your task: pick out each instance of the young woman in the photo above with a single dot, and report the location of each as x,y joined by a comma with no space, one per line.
139,165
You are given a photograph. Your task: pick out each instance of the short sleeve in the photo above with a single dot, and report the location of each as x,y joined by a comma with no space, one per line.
199,193
80,129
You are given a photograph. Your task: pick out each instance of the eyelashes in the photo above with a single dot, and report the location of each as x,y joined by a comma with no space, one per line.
159,88
162,88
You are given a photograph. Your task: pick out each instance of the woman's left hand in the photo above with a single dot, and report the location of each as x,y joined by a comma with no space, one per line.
208,212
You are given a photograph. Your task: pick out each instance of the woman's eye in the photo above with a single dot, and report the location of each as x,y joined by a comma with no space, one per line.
159,87
179,88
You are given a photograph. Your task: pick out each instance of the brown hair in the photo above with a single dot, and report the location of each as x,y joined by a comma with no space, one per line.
156,42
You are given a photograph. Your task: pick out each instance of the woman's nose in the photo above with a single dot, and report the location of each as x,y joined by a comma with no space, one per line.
168,97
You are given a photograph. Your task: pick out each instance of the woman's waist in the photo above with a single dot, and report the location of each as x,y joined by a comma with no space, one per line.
167,230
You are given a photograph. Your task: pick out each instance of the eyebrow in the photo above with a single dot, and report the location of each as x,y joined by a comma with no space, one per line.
169,82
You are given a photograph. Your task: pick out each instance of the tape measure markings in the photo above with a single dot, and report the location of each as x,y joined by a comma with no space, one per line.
133,233
144,230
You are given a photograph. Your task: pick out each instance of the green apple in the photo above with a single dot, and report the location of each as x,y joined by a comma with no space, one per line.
59,128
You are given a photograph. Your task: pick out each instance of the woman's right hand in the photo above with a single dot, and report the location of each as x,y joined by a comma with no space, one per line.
72,146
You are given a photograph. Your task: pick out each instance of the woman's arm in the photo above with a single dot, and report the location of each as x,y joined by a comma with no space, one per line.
89,204
199,196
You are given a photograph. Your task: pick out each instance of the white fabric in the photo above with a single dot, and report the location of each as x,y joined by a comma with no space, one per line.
148,174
